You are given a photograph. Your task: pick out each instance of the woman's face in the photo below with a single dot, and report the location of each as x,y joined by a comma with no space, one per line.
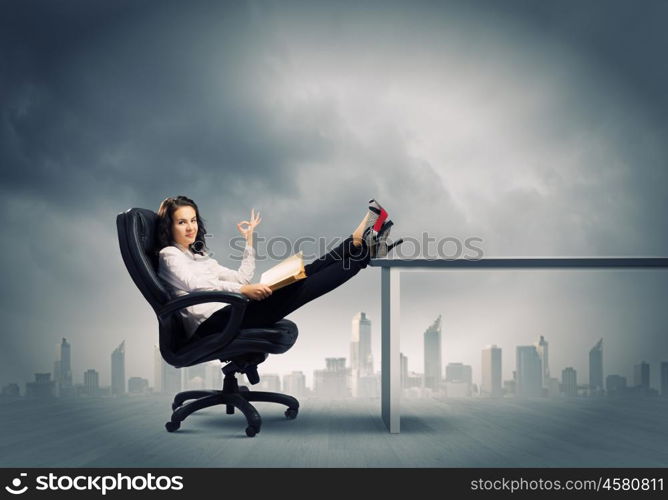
184,226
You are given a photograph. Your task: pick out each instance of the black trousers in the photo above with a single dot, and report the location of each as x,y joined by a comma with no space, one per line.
322,275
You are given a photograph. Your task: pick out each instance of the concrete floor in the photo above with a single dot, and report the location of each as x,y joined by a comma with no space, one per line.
129,432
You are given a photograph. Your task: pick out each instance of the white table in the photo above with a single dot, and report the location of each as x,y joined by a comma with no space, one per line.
390,306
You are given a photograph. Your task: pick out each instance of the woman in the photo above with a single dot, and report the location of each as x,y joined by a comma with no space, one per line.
186,266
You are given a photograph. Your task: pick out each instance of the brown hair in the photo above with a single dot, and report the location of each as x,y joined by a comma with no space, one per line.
165,221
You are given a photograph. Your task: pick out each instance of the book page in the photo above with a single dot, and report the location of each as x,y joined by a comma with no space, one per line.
289,267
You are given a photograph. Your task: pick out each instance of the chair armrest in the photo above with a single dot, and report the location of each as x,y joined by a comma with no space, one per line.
199,350
194,298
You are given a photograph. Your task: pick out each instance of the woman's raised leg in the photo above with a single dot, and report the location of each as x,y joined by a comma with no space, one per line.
286,300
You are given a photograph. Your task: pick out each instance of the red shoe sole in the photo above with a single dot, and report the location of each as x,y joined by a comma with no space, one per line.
380,220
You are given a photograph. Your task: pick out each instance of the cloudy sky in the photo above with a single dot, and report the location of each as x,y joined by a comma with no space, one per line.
538,127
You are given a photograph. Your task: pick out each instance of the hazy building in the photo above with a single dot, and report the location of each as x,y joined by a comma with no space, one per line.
457,389
11,390
42,387
91,382
62,370
214,375
433,365
269,382
57,372
403,364
491,372
615,385
641,375
458,380
167,379
415,380
569,382
509,386
332,381
664,378
361,357
529,372
596,368
458,372
157,369
543,354
294,384
65,363
137,385
552,387
196,377
118,370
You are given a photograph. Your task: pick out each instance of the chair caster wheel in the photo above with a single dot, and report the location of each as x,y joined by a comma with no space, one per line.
172,426
251,431
175,406
243,388
291,413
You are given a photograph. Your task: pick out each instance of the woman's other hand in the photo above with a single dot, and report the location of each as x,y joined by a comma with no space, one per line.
256,291
246,227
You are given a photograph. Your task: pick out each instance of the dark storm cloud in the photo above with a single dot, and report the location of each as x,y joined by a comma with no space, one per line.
107,97
626,37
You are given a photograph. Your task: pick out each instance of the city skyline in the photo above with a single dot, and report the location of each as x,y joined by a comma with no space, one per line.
530,378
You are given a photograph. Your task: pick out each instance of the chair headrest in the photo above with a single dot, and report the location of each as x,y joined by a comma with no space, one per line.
138,242
146,226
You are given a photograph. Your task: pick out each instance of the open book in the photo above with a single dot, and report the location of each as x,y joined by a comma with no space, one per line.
285,272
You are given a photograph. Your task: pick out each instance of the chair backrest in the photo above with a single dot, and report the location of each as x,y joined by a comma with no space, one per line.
138,243
137,240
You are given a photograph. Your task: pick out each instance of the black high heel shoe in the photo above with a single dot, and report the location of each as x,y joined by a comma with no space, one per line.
372,237
377,216
381,247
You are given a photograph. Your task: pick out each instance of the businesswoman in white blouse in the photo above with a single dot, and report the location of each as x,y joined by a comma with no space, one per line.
186,266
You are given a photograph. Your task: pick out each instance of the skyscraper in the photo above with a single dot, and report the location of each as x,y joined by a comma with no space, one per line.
491,371
294,384
664,378
641,375
615,385
529,372
458,379
569,381
118,370
62,370
433,365
167,378
361,358
458,372
596,368
270,382
65,362
42,387
137,385
543,353
91,382
331,382
403,361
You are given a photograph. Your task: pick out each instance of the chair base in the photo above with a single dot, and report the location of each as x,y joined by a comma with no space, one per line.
232,396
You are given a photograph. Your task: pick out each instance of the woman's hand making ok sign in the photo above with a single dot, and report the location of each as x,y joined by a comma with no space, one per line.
246,227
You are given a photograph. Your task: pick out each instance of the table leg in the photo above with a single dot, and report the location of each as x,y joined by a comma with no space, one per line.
390,358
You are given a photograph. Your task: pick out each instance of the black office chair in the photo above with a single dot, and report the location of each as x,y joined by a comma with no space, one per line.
243,349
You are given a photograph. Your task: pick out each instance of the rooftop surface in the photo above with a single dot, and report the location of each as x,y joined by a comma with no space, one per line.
129,432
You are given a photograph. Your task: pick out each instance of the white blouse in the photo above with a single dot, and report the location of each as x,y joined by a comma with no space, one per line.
184,272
